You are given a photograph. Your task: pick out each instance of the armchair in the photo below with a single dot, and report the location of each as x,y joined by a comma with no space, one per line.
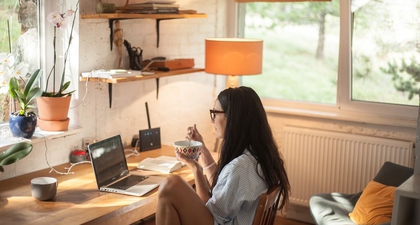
334,208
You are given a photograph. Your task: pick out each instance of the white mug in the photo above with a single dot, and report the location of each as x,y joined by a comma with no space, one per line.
44,188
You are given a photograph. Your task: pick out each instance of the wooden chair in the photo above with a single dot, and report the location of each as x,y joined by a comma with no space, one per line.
267,207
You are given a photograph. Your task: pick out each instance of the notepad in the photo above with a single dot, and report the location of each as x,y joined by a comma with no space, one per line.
109,74
162,164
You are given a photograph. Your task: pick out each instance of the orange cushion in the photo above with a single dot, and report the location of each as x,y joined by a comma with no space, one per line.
374,205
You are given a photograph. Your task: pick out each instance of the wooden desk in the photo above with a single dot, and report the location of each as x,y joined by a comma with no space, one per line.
78,201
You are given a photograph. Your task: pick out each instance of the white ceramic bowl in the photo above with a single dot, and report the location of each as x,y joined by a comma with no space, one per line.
190,149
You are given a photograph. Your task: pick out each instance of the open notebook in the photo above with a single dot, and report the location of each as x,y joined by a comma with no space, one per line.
111,170
162,164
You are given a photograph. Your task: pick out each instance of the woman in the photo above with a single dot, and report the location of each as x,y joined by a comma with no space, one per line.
249,165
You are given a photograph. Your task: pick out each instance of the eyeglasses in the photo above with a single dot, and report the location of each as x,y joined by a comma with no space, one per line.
213,113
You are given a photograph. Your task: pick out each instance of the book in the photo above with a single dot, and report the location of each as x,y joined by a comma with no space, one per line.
130,2
151,6
162,164
109,74
152,11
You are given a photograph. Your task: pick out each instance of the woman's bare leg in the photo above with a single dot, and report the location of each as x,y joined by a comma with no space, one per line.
179,204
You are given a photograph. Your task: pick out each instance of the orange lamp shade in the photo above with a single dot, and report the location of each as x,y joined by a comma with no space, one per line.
233,56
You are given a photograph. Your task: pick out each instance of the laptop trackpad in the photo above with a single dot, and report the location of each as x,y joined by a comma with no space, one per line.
146,185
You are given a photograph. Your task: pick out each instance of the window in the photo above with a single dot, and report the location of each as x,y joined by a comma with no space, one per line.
346,56
19,46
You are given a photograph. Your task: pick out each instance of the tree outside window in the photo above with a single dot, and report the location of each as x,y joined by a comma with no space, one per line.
302,54
19,22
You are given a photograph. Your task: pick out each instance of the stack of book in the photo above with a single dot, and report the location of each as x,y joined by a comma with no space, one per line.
150,8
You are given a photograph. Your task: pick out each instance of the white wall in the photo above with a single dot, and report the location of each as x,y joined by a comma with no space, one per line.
183,100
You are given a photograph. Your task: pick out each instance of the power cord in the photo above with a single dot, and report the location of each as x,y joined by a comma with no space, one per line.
67,168
133,152
86,92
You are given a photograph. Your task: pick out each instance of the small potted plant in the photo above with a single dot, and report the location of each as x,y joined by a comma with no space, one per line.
53,105
15,153
22,123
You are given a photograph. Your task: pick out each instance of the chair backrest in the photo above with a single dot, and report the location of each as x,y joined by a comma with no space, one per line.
267,207
392,174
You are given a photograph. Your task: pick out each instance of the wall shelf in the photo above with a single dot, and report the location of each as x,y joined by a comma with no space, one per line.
111,17
121,79
143,16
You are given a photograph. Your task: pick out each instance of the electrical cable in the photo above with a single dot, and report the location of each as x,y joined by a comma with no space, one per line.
86,91
52,168
133,152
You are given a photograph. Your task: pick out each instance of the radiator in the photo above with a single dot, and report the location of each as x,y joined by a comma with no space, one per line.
323,161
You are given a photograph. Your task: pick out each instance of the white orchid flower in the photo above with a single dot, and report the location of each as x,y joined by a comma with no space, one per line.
7,60
69,12
57,19
9,68
3,57
21,70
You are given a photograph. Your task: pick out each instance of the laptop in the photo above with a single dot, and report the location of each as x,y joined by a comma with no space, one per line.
111,170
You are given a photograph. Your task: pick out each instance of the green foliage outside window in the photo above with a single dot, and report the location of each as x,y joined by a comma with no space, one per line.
301,55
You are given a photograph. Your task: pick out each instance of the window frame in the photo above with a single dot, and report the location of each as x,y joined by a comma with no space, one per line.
345,108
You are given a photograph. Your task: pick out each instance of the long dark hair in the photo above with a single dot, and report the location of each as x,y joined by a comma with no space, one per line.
247,128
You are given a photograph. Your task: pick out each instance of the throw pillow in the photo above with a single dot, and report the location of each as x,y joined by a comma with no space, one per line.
374,205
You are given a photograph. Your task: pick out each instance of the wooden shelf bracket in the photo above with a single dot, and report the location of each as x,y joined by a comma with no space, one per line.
110,94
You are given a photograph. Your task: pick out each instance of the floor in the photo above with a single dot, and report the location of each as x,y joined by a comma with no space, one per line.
279,221
284,221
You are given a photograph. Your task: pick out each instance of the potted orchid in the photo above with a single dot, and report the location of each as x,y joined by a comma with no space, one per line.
22,121
59,20
53,105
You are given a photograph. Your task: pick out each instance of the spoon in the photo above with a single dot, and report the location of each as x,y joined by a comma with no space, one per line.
189,133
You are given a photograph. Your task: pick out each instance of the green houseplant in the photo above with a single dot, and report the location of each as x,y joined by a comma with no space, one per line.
15,153
53,105
30,93
23,122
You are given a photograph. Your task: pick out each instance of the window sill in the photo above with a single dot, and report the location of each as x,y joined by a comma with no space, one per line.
337,115
6,140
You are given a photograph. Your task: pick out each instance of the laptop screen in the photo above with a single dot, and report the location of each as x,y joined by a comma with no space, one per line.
108,160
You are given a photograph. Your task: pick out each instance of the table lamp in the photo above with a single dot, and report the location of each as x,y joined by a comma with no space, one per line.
233,57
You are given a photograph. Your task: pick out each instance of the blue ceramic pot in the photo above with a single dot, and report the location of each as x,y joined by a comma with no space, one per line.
22,126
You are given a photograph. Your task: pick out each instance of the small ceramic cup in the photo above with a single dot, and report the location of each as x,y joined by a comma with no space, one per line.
190,149
44,188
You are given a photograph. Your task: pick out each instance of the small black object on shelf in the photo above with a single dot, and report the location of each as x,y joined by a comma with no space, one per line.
136,56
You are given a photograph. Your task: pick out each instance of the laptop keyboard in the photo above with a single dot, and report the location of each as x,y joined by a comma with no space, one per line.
128,182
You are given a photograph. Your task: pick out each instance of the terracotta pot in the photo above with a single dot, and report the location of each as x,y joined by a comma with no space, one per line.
53,108
54,125
53,112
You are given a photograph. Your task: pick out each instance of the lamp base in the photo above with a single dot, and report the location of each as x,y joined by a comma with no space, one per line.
232,81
